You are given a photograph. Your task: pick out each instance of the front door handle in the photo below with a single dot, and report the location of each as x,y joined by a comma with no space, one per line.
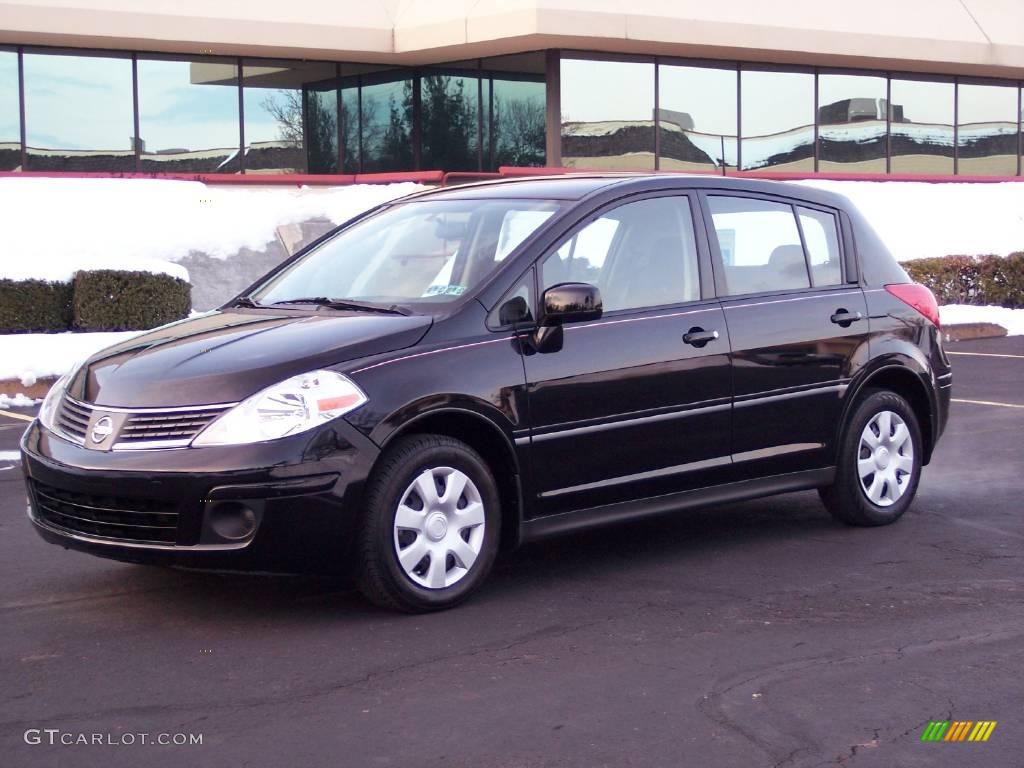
698,337
844,317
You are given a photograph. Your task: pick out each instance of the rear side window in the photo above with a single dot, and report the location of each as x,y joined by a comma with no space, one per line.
821,235
760,245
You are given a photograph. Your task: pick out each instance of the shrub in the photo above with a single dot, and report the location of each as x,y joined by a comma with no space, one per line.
34,306
972,280
115,300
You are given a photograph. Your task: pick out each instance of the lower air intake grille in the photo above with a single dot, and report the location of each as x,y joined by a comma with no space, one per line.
134,520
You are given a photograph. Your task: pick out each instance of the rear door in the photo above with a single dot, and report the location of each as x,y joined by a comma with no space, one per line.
636,403
797,323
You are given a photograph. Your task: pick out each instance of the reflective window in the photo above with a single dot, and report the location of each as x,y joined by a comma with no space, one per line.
517,132
350,129
639,255
386,122
922,126
78,113
321,129
10,112
852,123
607,114
760,245
274,120
450,114
777,120
987,129
697,118
821,237
188,115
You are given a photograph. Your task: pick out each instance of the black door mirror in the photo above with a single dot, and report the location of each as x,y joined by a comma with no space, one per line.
571,303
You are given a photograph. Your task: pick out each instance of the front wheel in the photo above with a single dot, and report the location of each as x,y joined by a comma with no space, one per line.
879,463
432,522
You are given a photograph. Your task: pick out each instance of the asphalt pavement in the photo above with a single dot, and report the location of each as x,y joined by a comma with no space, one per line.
755,634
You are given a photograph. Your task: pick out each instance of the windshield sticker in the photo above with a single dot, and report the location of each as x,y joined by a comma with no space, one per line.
445,290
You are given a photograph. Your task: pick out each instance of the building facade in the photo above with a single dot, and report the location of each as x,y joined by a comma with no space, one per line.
930,87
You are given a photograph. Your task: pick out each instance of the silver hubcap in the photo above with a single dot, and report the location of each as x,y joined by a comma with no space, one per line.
439,527
885,459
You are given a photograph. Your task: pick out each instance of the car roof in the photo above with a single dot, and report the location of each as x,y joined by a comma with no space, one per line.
576,186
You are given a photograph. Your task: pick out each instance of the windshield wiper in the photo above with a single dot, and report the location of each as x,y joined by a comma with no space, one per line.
245,301
356,306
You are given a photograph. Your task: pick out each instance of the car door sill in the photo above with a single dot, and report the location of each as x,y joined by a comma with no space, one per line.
566,522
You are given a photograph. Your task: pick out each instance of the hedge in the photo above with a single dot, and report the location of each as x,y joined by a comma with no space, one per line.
982,280
34,306
101,300
114,300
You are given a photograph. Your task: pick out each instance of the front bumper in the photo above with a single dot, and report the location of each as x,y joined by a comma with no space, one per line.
301,496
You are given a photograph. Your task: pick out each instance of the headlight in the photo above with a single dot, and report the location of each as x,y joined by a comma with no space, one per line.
48,410
293,406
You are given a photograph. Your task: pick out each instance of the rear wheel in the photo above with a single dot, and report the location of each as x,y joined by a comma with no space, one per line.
432,522
879,463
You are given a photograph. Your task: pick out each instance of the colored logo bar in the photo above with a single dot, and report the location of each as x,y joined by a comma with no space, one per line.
958,730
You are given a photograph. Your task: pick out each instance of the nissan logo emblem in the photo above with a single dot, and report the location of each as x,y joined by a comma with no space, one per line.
102,429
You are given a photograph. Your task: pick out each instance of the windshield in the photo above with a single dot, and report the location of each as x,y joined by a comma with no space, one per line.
429,251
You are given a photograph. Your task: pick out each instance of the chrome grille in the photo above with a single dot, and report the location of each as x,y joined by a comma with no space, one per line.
140,428
137,520
73,419
177,426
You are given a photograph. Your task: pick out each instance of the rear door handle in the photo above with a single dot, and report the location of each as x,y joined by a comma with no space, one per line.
844,317
698,337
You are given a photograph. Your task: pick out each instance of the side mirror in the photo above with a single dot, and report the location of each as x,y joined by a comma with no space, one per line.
571,303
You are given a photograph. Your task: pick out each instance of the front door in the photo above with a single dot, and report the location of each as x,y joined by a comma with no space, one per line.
636,403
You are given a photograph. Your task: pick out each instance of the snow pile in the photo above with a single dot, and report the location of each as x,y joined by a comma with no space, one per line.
31,356
54,227
17,401
1011,319
918,219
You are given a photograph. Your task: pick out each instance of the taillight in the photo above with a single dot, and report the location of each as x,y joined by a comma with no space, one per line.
917,296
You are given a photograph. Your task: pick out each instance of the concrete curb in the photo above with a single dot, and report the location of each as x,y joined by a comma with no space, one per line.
965,331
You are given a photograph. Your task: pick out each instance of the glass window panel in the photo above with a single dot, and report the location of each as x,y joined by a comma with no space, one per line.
987,129
518,133
188,115
10,112
350,128
387,127
821,236
321,129
607,114
777,120
641,254
697,118
851,123
922,127
760,245
78,113
274,120
450,114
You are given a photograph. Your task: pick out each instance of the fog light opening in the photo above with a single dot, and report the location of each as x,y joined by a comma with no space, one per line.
232,520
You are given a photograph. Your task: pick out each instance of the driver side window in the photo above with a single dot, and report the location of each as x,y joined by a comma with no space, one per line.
639,255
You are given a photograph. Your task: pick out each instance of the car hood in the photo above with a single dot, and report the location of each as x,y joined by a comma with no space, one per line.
227,355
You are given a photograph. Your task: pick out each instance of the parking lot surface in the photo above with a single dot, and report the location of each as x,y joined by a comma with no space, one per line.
755,634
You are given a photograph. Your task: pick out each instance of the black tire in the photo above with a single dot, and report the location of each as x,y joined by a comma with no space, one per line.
846,499
381,576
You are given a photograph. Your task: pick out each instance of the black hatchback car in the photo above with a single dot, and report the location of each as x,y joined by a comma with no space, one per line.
484,365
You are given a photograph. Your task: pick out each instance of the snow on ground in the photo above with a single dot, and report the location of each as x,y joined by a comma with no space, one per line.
54,227
31,356
918,219
1011,319
17,400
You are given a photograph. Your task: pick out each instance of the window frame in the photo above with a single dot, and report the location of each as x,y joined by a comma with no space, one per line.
847,275
706,288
